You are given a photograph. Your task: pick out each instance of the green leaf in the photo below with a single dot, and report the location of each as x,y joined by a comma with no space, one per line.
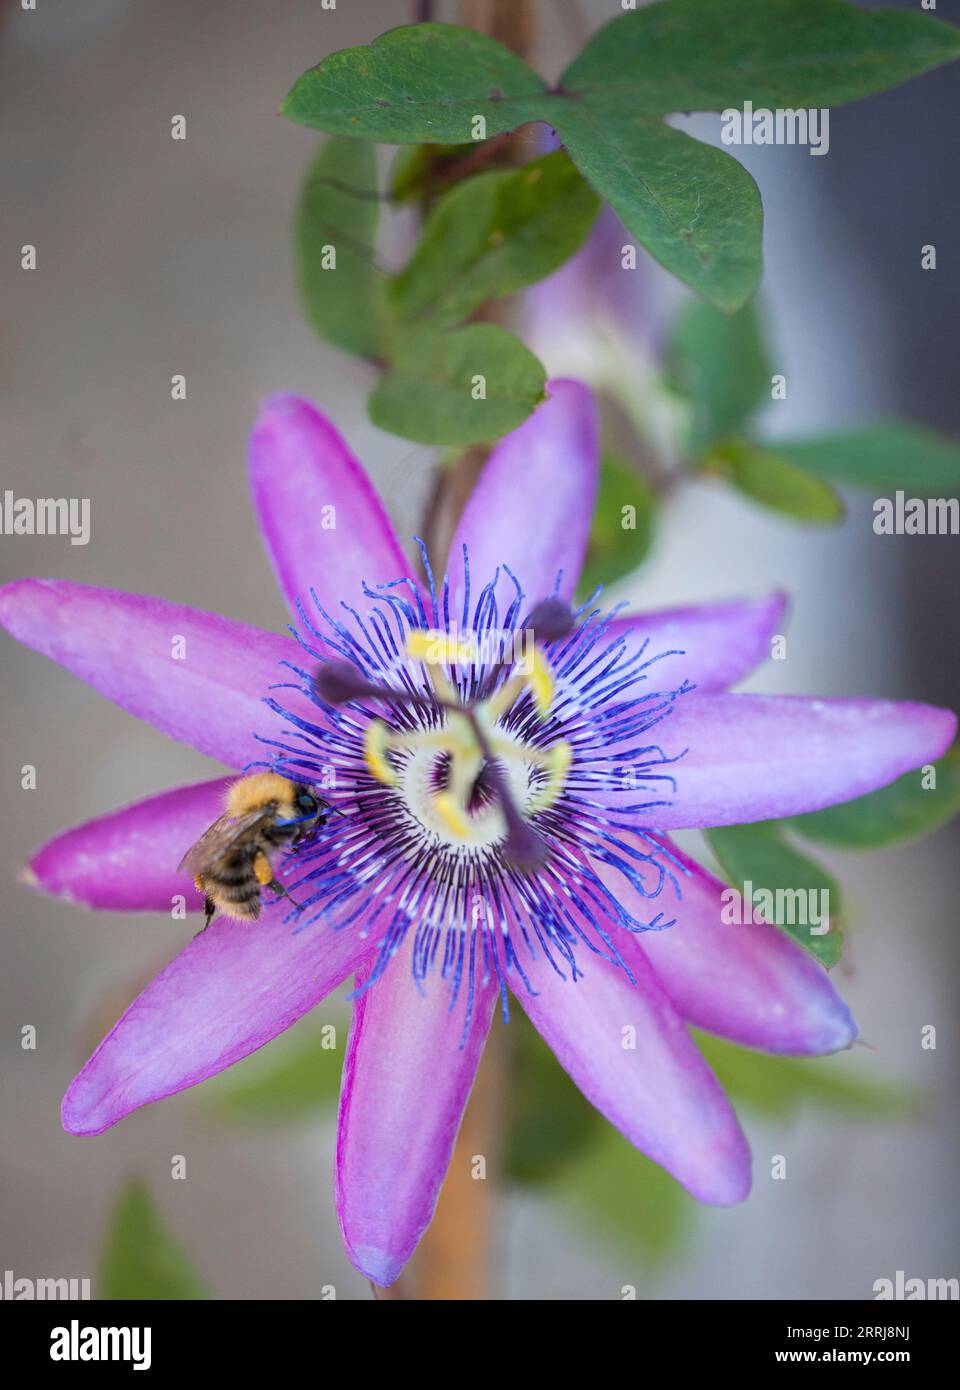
697,212
346,301
495,234
755,858
769,479
782,1087
694,208
902,811
422,82
549,1121
720,362
894,456
428,82
697,55
140,1258
431,391
616,549
288,1081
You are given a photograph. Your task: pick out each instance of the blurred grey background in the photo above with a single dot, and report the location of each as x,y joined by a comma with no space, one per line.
158,257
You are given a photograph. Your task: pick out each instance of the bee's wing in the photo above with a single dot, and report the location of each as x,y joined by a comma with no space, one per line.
214,842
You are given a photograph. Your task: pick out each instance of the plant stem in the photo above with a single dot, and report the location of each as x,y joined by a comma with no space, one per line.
513,23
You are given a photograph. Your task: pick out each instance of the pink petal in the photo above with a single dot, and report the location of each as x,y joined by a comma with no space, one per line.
759,757
721,643
124,646
232,989
750,983
406,1080
303,478
532,505
126,861
659,1093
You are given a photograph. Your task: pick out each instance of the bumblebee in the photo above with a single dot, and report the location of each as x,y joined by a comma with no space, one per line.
230,862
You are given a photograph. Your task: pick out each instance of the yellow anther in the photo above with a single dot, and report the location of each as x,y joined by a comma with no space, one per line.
438,649
502,699
452,814
376,741
541,682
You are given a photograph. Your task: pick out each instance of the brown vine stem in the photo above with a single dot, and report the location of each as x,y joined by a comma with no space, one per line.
513,22
455,1259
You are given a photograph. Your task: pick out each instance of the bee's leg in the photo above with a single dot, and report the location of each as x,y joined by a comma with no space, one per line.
209,908
264,875
277,887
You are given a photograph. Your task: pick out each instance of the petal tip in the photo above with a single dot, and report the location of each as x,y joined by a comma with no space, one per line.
27,877
280,403
569,386
276,413
733,1194
13,597
948,729
838,1031
927,731
822,1021
44,873
731,1179
575,397
380,1267
777,605
75,1120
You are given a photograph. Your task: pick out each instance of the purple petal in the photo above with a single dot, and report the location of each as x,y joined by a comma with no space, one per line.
532,505
406,1080
721,643
127,860
758,757
323,523
628,1050
232,989
750,983
124,645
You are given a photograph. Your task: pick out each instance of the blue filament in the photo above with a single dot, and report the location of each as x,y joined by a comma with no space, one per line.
470,917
